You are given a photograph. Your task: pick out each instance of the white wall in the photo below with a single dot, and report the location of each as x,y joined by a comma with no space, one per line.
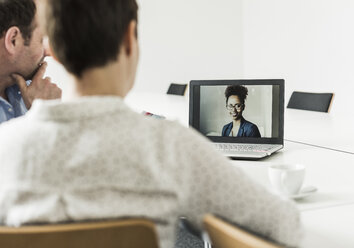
309,43
188,39
58,75
183,40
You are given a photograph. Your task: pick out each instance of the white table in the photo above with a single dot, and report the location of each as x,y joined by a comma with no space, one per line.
171,106
330,171
328,215
321,129
329,227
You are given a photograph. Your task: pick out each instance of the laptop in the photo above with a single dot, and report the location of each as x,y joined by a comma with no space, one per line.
243,118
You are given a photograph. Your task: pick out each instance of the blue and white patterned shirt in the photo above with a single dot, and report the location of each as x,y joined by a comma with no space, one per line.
15,107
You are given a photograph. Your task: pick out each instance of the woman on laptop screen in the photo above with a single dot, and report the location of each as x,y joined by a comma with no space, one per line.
235,105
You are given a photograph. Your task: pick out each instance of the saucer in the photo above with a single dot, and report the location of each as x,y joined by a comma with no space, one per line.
304,192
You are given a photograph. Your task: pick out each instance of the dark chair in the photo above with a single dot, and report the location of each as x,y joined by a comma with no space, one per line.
177,89
320,102
130,233
188,236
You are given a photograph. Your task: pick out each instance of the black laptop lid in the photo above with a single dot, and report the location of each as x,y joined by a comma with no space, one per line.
258,104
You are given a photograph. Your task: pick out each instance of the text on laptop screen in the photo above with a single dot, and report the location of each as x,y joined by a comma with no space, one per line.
242,111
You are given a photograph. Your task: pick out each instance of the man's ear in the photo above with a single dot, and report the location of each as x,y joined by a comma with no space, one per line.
13,38
130,38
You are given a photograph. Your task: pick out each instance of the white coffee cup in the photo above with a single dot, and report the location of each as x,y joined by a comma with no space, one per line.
286,179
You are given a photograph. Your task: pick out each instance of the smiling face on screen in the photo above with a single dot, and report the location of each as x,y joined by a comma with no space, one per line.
235,107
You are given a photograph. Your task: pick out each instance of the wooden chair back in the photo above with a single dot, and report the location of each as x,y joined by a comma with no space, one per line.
128,233
226,235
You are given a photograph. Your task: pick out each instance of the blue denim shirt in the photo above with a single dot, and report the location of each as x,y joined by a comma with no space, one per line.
15,107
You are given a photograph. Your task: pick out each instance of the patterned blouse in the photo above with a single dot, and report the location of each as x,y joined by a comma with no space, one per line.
94,158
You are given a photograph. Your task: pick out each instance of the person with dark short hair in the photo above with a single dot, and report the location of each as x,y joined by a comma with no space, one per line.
235,104
22,54
91,157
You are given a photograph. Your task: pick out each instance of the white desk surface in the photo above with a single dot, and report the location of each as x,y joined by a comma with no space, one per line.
329,227
171,106
314,128
328,215
321,129
330,171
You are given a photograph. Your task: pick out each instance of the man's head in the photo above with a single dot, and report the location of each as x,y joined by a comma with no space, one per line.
21,36
90,34
235,100
18,13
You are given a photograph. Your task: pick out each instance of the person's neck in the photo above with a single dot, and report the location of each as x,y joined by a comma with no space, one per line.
102,81
5,82
237,122
5,72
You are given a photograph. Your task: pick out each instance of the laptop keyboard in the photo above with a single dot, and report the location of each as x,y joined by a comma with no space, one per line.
243,147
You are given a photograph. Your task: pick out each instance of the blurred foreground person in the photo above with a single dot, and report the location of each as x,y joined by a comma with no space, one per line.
92,157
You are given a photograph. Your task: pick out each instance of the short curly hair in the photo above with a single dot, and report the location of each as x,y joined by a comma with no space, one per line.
236,90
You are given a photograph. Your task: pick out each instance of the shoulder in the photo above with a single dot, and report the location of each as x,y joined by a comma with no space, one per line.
183,140
251,129
13,135
12,126
249,124
227,126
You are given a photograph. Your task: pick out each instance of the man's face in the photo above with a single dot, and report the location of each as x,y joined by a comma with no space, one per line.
31,55
235,107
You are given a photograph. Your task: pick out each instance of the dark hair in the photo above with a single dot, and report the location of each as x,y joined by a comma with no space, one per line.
86,34
19,13
236,90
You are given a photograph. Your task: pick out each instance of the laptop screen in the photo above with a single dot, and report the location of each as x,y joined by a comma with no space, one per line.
238,111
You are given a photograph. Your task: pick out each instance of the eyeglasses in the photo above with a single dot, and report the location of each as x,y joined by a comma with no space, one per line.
237,106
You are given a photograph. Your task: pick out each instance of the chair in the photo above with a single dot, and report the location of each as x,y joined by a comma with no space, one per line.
320,102
225,235
188,235
177,89
128,233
